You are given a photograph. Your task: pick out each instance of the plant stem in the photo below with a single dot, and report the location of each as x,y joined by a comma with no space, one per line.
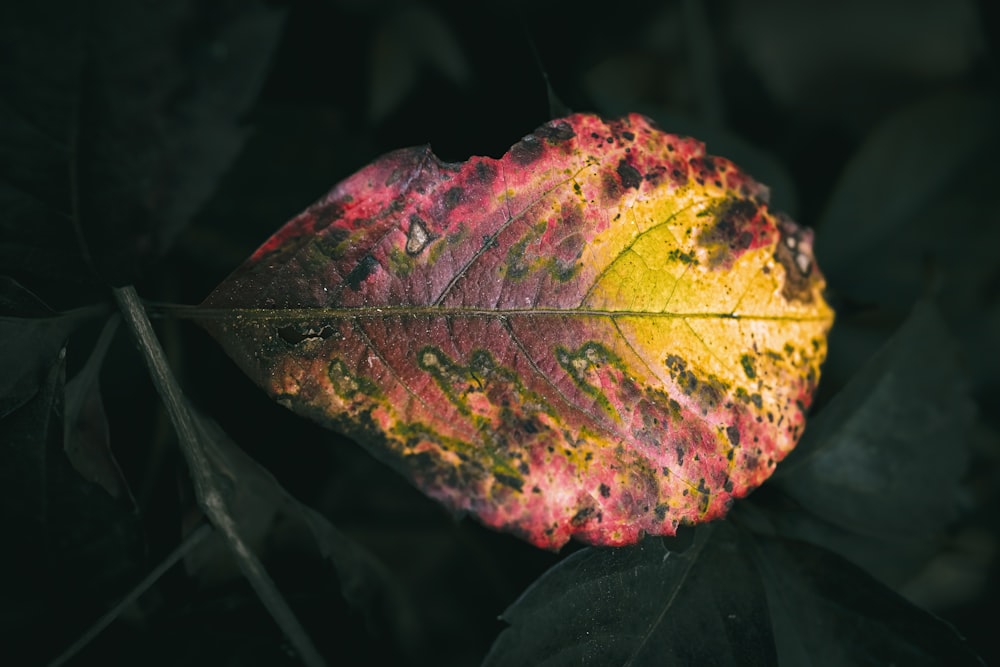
104,621
207,490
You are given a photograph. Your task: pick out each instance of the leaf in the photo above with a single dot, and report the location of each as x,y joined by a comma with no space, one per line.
926,168
261,506
604,333
827,612
730,598
75,548
843,60
647,604
116,121
32,336
880,465
908,163
411,37
87,441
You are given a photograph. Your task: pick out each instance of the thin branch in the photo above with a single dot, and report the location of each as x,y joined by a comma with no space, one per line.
190,542
210,497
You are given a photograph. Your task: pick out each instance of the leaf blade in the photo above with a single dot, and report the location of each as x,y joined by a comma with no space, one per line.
522,336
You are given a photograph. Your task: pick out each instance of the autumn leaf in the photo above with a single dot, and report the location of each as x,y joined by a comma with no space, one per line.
602,334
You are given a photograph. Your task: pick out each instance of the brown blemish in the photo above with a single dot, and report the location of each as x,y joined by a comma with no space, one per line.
794,253
631,178
730,235
526,151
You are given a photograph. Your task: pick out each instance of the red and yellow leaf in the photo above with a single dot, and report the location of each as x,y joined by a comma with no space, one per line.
602,334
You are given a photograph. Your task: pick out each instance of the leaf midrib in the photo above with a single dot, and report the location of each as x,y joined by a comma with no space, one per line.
377,312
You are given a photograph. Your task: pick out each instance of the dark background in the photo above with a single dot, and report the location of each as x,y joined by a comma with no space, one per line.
793,94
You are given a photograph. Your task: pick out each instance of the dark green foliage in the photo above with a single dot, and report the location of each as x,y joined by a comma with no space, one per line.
160,143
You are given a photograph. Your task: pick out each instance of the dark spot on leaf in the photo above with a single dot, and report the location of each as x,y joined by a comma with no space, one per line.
526,151
728,486
730,235
486,172
629,136
555,132
611,187
683,257
631,178
515,483
605,490
452,197
582,515
364,268
327,212
332,243
796,260
748,368
704,501
733,433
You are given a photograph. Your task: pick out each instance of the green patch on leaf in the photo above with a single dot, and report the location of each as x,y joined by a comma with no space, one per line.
348,385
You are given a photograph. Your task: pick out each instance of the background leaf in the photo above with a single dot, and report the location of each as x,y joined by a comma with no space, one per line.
828,613
76,548
31,339
643,605
728,598
268,516
87,441
883,461
901,188
116,120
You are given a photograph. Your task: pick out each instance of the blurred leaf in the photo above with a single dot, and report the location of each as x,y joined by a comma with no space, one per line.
262,509
25,440
912,160
730,598
87,442
648,604
25,434
411,36
829,613
75,549
913,217
883,460
851,57
32,336
116,119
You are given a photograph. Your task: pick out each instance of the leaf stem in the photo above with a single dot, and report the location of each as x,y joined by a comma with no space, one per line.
210,496
182,311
